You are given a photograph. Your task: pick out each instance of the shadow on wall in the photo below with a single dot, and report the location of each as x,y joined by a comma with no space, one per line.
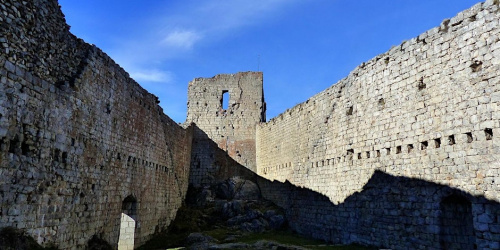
210,164
390,211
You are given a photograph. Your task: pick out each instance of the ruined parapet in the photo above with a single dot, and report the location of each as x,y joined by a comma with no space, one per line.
226,108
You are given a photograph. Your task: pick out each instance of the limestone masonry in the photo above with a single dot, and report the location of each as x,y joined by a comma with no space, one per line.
403,153
232,128
80,142
428,109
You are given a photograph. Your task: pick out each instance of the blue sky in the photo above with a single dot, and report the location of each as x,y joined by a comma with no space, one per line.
302,46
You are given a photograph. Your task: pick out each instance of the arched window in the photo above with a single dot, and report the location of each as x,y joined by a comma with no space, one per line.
129,206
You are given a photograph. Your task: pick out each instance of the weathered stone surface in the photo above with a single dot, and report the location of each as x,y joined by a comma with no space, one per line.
225,190
78,136
246,190
276,221
400,153
198,238
428,110
237,188
231,129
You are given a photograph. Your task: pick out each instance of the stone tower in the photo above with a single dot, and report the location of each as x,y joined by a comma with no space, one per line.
226,109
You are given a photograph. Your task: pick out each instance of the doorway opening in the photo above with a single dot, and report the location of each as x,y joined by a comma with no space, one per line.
127,223
456,226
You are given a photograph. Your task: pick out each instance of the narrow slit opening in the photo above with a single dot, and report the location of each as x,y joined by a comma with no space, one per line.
469,137
423,145
488,132
410,148
451,140
437,142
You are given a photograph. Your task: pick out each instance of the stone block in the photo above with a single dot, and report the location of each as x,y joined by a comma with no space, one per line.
10,66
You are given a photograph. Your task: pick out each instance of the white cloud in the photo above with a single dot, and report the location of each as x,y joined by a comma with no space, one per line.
179,29
153,75
181,39
212,20
225,15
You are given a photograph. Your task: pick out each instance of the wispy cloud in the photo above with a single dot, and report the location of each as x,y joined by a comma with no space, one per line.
216,19
183,28
226,15
153,75
183,39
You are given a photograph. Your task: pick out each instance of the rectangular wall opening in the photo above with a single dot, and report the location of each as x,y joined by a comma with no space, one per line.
349,110
14,144
451,140
423,145
469,137
350,153
488,132
437,142
410,148
225,99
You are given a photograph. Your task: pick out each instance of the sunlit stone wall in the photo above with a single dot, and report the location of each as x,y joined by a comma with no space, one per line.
426,109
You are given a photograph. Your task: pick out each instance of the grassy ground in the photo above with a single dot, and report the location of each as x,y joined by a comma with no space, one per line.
290,238
222,234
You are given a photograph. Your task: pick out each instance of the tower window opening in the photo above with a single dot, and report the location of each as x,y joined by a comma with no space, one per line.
225,99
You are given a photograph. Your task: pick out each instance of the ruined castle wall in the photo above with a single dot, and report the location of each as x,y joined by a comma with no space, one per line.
231,128
80,141
392,212
427,109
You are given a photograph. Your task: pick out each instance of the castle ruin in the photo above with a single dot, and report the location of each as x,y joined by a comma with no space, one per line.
402,153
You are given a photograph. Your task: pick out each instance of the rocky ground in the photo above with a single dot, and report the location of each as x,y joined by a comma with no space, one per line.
14,239
221,213
231,215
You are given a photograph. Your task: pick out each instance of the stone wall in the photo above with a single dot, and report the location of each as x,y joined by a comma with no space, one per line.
427,109
392,212
80,141
232,128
